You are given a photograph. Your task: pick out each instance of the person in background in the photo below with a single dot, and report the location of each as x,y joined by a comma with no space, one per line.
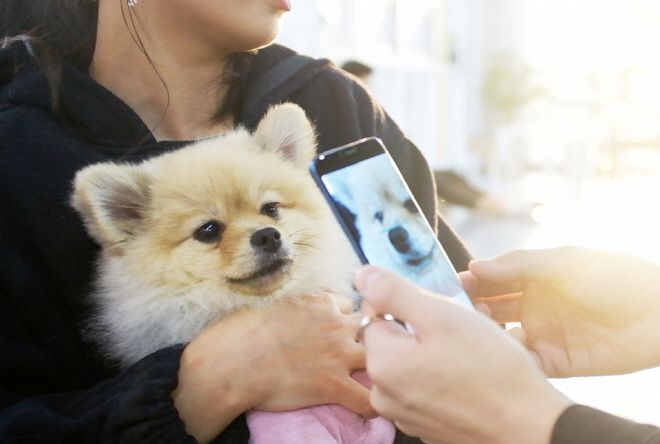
123,80
358,69
461,379
455,189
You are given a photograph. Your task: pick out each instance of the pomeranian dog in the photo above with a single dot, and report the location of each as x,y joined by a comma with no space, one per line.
196,233
193,234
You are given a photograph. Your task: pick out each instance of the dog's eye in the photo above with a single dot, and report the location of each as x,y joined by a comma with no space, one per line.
379,216
410,206
270,209
209,232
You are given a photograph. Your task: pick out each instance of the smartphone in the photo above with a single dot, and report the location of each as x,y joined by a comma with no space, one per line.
381,218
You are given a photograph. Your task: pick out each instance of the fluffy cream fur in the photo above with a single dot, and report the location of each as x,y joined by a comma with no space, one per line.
158,284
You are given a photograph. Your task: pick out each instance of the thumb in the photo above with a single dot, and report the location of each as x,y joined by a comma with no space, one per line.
355,398
386,292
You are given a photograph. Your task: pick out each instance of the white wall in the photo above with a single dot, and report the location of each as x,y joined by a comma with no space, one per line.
430,60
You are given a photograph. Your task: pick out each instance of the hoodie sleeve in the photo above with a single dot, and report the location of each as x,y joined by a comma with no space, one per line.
49,393
580,424
135,407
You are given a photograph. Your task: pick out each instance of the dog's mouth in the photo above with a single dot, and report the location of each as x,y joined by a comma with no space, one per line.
265,276
419,260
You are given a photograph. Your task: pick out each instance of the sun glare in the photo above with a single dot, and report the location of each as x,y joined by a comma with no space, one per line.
596,138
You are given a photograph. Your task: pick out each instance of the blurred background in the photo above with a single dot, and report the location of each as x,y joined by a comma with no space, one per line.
548,110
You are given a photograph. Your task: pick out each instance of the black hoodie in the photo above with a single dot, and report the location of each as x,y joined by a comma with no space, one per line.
54,387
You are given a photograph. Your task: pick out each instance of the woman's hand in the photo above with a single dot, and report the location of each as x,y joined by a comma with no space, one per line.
289,355
459,378
583,312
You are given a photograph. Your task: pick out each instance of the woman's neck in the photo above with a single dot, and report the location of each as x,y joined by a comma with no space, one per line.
175,91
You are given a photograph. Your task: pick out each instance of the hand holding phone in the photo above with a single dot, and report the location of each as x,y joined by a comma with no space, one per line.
381,218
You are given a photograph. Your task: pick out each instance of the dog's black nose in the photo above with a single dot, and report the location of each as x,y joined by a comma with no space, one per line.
268,240
400,239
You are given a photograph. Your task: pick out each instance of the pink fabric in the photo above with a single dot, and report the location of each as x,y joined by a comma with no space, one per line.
319,425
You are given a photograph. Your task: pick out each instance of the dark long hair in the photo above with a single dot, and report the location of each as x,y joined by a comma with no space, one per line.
56,31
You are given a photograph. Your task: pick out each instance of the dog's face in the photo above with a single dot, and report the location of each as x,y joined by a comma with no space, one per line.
239,212
388,216
392,231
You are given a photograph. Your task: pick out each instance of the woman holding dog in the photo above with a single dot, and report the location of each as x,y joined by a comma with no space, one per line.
461,379
121,80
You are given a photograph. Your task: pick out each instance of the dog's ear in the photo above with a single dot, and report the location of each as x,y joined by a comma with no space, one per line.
112,200
286,130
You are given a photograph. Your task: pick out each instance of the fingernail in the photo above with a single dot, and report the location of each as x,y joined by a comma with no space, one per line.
365,276
482,264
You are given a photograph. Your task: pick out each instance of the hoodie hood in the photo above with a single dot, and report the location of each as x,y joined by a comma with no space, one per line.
93,111
274,84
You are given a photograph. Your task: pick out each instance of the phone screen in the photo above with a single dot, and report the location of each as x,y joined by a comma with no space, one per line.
381,217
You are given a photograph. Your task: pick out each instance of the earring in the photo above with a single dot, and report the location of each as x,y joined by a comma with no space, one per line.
132,3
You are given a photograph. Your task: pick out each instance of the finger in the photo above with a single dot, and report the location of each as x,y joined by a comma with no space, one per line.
413,432
344,303
383,403
483,280
470,283
479,288
390,328
390,406
356,356
353,325
387,292
387,345
471,286
512,271
354,318
367,309
482,307
355,397
502,309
